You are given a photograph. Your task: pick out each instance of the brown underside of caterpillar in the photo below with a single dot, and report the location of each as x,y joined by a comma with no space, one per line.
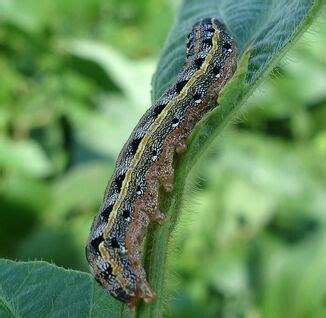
145,164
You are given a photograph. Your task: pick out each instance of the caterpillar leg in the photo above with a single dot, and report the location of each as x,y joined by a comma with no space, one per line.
149,203
181,146
165,171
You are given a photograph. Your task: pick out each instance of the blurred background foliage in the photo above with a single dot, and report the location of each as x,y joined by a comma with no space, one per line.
75,78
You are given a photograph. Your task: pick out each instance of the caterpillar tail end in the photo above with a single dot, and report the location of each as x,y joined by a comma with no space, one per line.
144,293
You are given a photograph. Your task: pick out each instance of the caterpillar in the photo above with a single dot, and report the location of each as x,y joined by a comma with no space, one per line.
145,164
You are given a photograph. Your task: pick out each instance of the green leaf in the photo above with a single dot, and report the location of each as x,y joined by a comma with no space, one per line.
39,289
125,73
25,157
305,297
263,31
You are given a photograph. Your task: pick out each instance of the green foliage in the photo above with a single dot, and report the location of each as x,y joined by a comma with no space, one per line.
251,215
38,289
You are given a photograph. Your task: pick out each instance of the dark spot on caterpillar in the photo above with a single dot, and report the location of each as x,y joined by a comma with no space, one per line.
115,243
138,190
227,46
197,98
209,42
154,154
121,294
96,242
140,187
175,122
210,30
107,272
199,62
126,214
119,180
134,144
217,70
158,109
180,85
106,212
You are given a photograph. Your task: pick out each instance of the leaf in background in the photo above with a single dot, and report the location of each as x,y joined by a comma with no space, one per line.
251,184
25,157
23,199
129,76
284,295
67,217
72,191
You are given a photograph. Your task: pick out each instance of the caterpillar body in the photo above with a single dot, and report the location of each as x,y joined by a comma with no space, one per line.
144,165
